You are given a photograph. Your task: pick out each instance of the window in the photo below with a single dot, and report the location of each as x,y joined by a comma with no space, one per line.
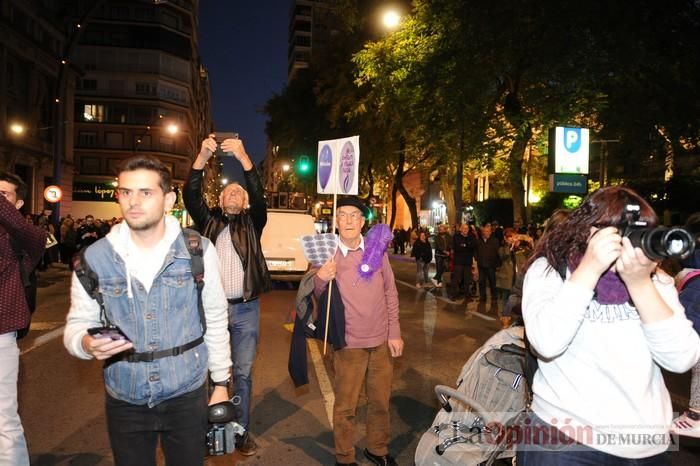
89,84
303,40
87,139
89,165
94,112
143,88
114,140
167,145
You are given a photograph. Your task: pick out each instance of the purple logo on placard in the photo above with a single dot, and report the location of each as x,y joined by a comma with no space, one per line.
325,166
347,166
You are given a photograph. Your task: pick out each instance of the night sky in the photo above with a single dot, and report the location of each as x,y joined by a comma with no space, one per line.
243,44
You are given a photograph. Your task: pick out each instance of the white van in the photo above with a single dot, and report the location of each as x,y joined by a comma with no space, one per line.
281,244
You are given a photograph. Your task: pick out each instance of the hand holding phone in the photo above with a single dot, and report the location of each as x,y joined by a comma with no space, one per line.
111,331
221,137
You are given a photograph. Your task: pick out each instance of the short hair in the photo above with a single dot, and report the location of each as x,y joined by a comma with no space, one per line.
144,162
20,186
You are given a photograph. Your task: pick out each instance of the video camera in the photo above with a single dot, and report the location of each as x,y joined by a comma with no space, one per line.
657,243
221,435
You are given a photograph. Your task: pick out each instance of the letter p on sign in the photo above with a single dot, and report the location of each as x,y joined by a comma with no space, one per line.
572,139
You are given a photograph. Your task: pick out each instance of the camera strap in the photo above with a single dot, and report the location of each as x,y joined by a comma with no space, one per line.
89,279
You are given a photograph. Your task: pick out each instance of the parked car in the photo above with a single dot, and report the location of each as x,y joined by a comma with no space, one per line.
281,243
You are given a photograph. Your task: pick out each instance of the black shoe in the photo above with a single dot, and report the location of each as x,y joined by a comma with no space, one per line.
386,460
245,445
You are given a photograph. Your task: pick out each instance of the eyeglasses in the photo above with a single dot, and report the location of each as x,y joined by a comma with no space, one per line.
346,216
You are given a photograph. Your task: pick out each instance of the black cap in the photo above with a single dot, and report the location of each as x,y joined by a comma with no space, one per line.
353,201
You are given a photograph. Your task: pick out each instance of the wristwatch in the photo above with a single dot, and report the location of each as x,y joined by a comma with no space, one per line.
222,383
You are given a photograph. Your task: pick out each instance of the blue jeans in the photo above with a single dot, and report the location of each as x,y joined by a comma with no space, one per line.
244,326
180,423
577,454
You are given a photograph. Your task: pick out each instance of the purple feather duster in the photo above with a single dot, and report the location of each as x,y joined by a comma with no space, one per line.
376,241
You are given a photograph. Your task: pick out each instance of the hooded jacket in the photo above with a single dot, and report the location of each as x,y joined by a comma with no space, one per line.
246,228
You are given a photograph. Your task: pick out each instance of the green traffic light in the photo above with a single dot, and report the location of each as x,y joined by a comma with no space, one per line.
304,164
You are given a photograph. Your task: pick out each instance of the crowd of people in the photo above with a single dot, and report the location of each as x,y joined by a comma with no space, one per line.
587,297
482,261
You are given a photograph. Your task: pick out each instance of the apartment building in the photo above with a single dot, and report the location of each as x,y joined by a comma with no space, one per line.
142,90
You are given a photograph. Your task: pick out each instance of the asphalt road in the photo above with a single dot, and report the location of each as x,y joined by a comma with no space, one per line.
61,398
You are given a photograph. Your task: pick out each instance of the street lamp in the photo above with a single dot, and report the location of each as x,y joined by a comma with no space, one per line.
285,167
17,129
391,19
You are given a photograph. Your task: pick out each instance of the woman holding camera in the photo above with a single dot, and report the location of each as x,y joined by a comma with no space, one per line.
602,324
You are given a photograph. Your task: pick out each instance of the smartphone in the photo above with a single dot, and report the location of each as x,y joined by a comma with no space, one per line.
220,137
110,331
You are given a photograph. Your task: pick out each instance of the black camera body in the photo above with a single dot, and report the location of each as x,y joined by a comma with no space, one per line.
222,432
657,243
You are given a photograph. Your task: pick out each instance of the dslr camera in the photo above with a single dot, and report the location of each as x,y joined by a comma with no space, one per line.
222,432
657,243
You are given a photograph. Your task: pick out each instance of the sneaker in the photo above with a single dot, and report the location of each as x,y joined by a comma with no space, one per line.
687,424
245,445
386,460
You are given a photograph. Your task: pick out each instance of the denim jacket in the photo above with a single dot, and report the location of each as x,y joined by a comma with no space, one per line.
163,318
156,318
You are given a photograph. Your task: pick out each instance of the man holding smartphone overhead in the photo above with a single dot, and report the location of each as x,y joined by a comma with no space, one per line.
157,339
235,227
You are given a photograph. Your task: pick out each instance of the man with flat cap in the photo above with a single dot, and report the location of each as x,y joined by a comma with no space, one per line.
372,335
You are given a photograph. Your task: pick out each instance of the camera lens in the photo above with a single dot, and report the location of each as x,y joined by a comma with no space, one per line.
661,242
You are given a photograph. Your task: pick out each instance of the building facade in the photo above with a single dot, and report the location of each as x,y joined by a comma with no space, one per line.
142,90
32,39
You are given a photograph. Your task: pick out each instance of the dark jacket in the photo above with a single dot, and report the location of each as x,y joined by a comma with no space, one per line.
422,251
464,248
487,252
443,244
689,296
16,265
308,326
246,228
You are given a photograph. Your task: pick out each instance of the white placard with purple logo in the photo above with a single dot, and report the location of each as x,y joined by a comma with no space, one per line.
319,248
338,166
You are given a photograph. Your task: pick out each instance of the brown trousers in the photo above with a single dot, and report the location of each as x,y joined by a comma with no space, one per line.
354,367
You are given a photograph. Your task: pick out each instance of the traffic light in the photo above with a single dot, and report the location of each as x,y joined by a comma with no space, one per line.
304,165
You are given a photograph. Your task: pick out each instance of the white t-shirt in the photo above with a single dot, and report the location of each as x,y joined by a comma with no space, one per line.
599,378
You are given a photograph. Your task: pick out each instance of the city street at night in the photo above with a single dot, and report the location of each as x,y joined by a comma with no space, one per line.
62,398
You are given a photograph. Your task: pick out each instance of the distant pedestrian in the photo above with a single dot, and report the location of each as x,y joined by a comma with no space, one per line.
423,254
443,247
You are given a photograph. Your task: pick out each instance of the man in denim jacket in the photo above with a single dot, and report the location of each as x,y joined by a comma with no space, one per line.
155,378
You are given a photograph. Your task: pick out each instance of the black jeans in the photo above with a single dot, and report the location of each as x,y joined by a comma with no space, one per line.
461,279
440,266
181,424
487,273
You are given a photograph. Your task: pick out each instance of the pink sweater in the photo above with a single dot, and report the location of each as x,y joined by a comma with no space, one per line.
371,306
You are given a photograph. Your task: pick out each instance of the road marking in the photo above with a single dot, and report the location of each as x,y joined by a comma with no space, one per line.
324,382
41,340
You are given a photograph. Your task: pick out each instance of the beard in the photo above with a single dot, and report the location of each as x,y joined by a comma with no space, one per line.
143,224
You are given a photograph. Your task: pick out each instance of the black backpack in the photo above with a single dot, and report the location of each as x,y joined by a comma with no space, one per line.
90,281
